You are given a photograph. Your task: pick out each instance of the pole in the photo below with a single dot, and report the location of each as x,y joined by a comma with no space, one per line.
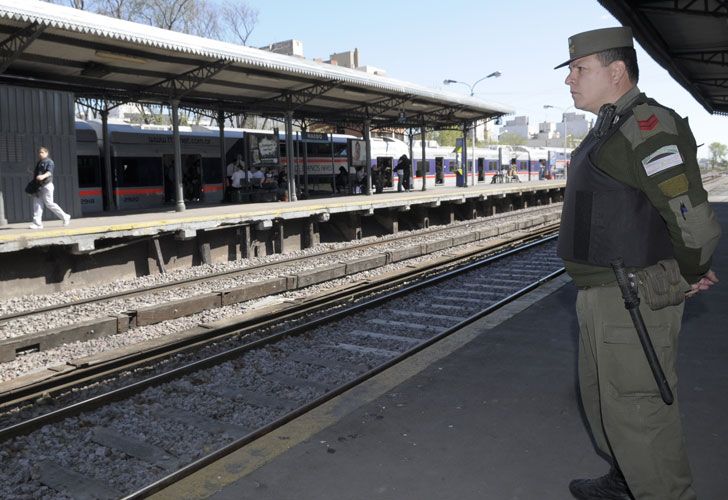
179,195
425,166
367,138
289,157
465,154
109,201
411,180
472,173
333,166
305,161
223,149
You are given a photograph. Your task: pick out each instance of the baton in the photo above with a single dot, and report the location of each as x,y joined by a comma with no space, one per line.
632,303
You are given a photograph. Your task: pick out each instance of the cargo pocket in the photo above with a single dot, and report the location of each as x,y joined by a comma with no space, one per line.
624,365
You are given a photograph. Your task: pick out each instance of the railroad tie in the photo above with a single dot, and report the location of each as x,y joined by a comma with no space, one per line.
358,349
406,324
135,448
383,336
74,484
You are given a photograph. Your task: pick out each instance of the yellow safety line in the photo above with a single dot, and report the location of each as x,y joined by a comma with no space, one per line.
130,226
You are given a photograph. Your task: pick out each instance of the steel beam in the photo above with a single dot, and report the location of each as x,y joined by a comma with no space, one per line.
13,46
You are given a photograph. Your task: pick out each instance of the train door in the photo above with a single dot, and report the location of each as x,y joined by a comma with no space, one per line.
191,177
439,170
481,169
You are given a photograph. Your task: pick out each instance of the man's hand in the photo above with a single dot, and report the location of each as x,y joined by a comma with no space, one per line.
709,279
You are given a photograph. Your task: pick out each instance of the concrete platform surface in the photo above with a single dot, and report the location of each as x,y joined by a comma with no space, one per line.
497,418
18,236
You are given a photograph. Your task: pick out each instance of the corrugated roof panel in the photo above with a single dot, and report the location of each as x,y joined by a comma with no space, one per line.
73,20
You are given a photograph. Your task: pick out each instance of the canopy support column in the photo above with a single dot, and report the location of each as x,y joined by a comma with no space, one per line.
179,194
411,180
289,156
368,139
109,200
425,166
223,149
465,154
304,145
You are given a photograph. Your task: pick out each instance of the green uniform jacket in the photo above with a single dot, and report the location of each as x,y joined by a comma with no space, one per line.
655,152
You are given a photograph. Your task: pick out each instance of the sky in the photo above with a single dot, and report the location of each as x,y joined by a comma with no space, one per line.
428,42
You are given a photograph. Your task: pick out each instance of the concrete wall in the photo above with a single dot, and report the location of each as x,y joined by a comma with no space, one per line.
30,118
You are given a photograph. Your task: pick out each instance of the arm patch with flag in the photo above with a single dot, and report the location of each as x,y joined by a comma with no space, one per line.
662,159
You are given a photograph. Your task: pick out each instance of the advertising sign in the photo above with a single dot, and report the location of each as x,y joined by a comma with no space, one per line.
262,149
358,150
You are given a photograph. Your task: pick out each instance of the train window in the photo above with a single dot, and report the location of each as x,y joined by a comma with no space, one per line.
421,168
319,149
211,171
481,169
131,172
340,150
282,149
89,171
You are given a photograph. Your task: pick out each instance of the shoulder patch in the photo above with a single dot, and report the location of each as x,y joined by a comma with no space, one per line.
647,121
662,159
674,186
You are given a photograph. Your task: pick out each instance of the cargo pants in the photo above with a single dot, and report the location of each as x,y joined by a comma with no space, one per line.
627,417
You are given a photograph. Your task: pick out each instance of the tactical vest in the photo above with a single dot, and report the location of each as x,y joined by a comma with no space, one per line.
603,219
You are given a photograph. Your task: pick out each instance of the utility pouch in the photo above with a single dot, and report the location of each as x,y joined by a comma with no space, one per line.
663,284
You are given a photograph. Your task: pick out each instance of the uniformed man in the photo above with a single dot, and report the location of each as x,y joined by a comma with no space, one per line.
634,191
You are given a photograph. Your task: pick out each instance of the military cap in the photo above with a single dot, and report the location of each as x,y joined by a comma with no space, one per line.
591,42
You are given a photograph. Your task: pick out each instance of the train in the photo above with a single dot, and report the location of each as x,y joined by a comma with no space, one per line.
142,162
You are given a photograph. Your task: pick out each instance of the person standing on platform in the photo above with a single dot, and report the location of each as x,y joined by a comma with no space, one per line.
404,170
233,166
44,175
636,176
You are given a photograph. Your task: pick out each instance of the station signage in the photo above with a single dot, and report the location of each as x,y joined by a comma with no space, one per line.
314,137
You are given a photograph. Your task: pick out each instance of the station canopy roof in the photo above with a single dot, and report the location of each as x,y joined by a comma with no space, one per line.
96,57
689,38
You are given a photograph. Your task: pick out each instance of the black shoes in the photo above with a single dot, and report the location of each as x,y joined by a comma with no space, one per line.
609,487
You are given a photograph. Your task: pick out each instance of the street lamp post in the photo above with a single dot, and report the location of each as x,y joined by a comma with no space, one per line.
566,135
474,124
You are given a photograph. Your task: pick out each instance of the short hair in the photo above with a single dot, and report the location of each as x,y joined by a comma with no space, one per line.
625,54
43,148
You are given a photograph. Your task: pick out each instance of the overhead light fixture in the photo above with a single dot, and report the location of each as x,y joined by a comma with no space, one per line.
115,56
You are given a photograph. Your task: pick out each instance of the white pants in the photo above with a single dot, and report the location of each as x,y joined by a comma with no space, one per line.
45,197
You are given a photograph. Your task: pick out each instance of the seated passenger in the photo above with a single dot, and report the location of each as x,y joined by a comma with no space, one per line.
256,179
239,175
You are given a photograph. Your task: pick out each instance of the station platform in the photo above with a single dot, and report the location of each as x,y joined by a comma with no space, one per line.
83,232
491,413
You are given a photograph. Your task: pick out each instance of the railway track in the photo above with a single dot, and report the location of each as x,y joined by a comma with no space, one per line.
226,400
109,314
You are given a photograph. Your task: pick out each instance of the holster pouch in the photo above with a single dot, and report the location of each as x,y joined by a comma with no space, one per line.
663,284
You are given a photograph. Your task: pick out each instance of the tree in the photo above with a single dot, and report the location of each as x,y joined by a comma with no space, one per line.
240,19
718,153
511,139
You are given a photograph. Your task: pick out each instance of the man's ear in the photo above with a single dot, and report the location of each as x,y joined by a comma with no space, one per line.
617,71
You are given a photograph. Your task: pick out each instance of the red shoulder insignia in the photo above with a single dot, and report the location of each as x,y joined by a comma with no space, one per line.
648,124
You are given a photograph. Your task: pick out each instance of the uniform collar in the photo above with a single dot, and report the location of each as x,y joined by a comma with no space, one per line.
627,99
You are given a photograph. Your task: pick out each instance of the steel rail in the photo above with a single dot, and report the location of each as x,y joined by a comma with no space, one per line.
86,375
120,393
